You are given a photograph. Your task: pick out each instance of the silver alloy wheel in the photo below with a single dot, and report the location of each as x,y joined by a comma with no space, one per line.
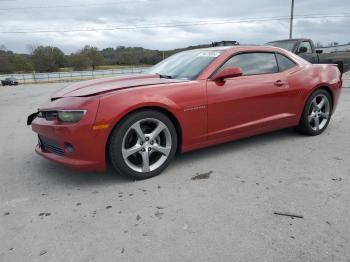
146,145
319,112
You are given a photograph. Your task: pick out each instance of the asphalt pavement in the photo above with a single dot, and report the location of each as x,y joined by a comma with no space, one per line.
51,213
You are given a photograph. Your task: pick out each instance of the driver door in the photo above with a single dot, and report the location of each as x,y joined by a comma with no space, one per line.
259,99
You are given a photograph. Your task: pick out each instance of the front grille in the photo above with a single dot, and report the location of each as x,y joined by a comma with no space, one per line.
50,145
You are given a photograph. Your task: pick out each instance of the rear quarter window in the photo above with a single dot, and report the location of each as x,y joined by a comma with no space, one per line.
284,63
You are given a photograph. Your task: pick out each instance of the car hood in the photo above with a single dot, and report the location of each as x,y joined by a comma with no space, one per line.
100,86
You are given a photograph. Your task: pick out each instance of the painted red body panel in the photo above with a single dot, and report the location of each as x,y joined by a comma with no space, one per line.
208,112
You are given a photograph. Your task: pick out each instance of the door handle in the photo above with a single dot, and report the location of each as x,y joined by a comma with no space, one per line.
280,83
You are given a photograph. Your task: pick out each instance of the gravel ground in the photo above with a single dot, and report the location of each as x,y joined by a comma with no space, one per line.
51,213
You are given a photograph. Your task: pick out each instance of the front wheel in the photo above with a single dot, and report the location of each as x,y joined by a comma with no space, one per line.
143,144
317,113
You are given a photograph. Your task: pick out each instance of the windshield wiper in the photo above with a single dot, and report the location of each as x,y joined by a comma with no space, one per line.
165,76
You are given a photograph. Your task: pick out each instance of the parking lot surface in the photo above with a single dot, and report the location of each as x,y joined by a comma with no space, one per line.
52,213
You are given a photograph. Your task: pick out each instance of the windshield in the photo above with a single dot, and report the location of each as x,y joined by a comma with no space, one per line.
288,45
184,65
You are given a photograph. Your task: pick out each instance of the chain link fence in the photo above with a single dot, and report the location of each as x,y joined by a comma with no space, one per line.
72,76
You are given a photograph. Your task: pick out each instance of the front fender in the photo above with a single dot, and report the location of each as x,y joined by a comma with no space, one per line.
114,108
186,102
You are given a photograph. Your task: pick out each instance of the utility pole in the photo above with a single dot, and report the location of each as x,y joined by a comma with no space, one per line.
291,21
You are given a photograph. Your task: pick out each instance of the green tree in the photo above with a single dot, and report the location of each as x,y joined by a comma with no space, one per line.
108,55
94,55
48,59
22,63
6,61
79,61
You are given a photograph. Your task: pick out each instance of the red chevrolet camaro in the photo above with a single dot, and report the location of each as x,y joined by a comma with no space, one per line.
190,100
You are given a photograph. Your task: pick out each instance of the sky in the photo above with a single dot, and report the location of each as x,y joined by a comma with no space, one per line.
72,24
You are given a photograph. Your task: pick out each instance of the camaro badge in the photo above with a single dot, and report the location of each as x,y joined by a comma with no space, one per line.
194,108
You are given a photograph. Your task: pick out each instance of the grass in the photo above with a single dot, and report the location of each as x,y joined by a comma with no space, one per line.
102,67
107,67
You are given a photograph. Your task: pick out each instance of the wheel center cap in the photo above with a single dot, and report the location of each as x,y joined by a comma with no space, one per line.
146,144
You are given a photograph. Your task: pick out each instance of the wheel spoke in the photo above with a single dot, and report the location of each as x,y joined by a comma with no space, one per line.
160,127
311,118
130,151
321,104
317,123
145,162
314,104
324,115
164,150
139,131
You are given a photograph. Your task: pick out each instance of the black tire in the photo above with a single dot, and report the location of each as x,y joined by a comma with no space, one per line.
340,65
115,143
305,126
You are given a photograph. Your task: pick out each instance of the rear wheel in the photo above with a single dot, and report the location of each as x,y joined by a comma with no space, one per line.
143,144
317,113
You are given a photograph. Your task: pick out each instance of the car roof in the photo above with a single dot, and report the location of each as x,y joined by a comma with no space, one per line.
232,49
217,48
293,39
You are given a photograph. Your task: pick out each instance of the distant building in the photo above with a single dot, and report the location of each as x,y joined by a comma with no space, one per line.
335,48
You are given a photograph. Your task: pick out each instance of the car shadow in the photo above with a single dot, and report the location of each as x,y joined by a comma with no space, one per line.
59,174
216,151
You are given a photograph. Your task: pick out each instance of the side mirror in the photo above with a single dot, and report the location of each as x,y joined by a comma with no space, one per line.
228,73
319,51
302,49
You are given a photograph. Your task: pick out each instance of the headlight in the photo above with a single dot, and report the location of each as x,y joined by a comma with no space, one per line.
70,116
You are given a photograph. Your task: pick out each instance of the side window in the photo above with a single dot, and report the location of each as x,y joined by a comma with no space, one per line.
254,63
284,63
307,45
